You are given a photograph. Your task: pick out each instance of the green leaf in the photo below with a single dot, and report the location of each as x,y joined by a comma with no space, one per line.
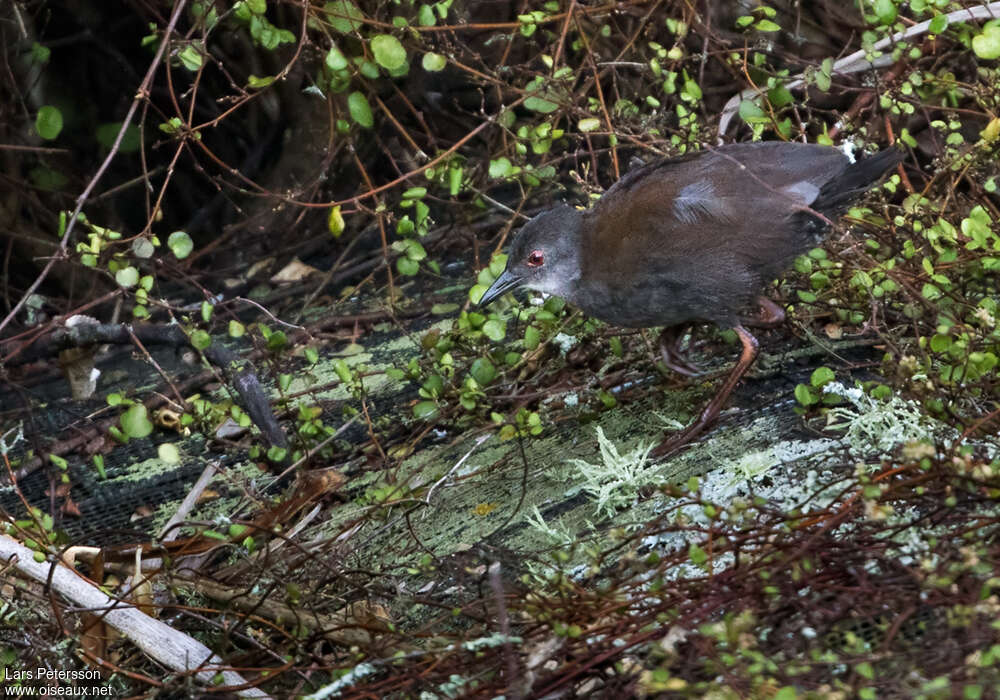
432,386
335,222
805,396
691,89
335,59
697,554
200,339
433,62
501,167
236,329
361,112
987,44
455,176
180,244
977,226
277,341
191,58
135,422
168,453
389,53
938,24
821,376
49,122
343,371
257,82
407,267
425,409
495,329
779,96
143,248
751,113
532,338
405,226
825,75
40,54
483,371
344,16
940,342
476,292
886,11
496,267
425,16
415,251
588,124
766,25
127,277
367,68
539,103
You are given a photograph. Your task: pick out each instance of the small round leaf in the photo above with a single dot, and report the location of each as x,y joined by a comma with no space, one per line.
425,409
987,45
49,122
361,112
483,371
494,329
168,453
389,53
433,62
344,15
127,277
181,244
135,422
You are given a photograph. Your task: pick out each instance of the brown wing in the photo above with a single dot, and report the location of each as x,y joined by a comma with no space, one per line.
708,228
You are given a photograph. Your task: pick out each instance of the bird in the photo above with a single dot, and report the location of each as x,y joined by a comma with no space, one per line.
692,239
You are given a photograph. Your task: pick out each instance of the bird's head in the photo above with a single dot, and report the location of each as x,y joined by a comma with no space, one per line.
544,255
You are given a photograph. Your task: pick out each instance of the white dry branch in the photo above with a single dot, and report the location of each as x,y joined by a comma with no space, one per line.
858,61
157,639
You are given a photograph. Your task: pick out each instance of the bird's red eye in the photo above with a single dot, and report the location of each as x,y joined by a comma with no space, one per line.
536,259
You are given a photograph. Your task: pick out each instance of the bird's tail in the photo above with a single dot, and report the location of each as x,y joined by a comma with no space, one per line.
857,178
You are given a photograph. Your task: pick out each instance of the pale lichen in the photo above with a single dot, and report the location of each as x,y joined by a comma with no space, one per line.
876,425
615,483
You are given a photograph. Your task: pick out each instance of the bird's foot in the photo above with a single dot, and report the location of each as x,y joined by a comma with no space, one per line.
672,356
678,363
769,315
711,412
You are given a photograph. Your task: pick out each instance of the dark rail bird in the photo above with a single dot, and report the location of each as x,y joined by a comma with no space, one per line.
689,239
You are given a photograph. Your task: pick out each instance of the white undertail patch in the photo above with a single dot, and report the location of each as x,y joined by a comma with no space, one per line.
803,192
695,201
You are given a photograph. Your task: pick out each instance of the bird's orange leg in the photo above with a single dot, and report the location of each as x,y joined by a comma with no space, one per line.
711,411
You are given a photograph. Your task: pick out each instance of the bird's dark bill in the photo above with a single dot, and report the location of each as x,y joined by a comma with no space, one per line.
504,283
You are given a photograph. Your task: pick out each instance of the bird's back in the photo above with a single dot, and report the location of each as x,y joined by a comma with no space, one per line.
696,237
